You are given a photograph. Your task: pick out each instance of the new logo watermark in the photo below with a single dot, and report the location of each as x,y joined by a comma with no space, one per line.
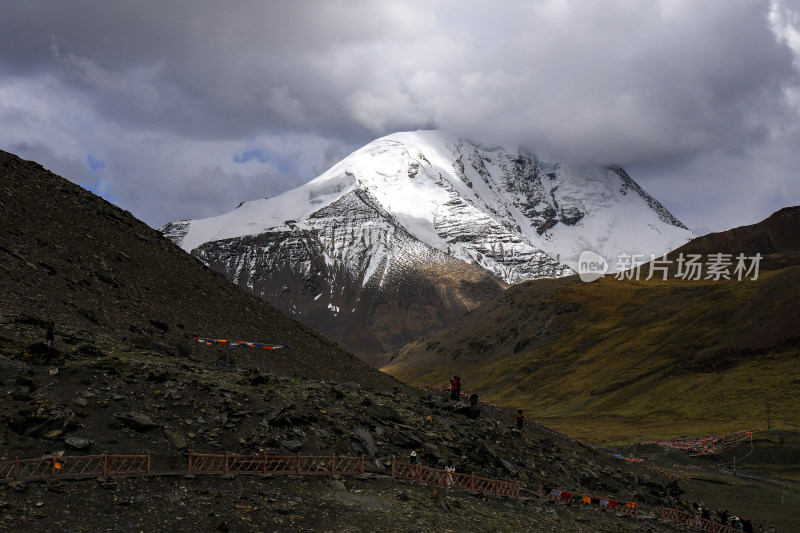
691,267
591,266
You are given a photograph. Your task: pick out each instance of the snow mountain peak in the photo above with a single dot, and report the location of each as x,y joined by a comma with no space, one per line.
417,204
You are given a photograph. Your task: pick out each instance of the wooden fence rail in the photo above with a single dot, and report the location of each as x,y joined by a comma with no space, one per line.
443,478
73,467
205,463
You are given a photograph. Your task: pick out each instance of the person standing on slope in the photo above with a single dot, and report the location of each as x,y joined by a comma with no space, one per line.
49,336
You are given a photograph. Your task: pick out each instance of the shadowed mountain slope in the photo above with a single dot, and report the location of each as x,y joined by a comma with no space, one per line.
777,238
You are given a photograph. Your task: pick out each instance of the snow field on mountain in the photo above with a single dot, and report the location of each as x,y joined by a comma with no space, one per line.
515,217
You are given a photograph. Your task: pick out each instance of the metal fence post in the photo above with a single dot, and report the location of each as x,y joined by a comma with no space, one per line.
52,467
226,462
298,464
362,463
16,469
265,464
333,464
472,482
148,463
105,464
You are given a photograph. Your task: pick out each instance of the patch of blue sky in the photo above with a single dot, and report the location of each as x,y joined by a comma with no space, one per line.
94,163
258,154
282,164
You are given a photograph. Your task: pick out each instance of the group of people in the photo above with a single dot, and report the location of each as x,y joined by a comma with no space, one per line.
746,526
449,468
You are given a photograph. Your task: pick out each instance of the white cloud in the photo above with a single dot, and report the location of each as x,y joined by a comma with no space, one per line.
167,95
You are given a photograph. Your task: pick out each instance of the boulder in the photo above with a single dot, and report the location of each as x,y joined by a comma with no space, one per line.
294,445
338,485
366,440
77,442
389,413
136,421
176,439
508,467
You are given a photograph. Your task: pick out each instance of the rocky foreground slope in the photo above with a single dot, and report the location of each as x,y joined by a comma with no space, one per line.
91,395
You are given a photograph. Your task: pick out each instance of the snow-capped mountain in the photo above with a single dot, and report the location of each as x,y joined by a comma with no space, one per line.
415,210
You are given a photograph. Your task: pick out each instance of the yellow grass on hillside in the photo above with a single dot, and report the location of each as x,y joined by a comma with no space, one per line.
629,360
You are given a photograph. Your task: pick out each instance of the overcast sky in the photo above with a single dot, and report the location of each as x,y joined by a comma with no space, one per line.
183,109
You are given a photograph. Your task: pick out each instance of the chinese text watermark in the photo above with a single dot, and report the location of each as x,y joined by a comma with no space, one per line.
690,267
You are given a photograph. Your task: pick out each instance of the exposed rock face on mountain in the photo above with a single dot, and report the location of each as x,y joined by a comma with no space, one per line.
375,302
407,233
71,258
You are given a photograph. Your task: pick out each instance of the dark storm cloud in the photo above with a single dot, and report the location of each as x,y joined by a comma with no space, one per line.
194,106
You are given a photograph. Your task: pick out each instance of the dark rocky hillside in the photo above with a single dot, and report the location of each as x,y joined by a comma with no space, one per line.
125,400
71,258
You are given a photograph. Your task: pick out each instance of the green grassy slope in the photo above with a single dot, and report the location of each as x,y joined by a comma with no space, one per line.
627,360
